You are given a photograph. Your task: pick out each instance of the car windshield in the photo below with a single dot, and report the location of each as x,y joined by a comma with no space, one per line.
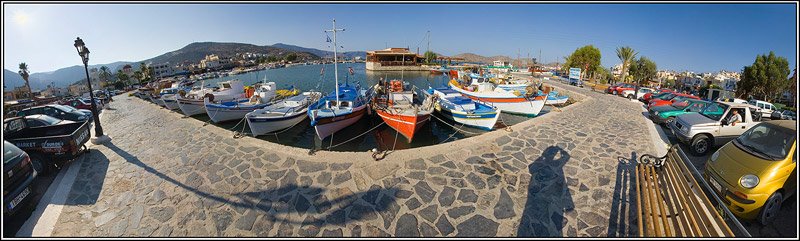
714,111
9,152
789,113
49,120
64,108
767,140
667,96
680,104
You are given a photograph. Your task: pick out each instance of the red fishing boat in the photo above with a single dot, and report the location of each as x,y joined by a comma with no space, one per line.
396,105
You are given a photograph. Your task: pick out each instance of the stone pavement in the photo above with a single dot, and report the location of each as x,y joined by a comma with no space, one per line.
561,174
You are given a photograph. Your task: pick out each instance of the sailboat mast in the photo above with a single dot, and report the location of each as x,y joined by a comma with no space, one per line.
335,66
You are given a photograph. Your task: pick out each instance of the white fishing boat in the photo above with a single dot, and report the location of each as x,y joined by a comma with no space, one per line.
219,111
167,97
509,101
192,103
281,115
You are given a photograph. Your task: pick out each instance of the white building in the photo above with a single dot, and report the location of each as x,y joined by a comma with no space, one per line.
501,63
162,70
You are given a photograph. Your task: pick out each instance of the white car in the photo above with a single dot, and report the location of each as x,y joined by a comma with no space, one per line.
642,91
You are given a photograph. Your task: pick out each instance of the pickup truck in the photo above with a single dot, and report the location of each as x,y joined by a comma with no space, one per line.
708,128
49,147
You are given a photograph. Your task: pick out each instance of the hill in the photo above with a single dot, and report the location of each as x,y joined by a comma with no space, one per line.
321,53
61,77
194,52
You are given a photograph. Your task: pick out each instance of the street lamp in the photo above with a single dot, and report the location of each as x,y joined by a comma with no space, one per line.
83,51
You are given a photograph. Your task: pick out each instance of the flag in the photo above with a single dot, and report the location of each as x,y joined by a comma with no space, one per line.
351,70
328,39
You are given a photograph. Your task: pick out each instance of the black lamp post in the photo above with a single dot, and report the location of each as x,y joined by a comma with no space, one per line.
83,51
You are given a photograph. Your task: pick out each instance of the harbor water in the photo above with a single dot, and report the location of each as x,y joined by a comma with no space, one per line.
383,137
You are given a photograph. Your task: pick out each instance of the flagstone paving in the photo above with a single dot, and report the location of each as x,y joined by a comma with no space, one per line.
561,174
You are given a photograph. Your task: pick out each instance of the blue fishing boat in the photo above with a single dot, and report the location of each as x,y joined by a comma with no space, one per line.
464,110
342,107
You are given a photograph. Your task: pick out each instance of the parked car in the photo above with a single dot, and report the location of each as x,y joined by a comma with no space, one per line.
628,93
763,107
48,146
709,127
43,120
756,172
623,88
649,96
734,100
669,99
18,175
783,115
63,112
667,114
614,89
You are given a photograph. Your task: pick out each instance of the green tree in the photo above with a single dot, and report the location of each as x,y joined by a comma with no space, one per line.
290,57
272,58
23,71
430,56
626,55
766,78
139,76
587,58
146,72
122,76
642,70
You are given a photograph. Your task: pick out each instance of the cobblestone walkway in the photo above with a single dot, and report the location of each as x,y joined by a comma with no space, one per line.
562,174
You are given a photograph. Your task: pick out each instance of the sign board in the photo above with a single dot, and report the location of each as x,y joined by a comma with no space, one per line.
574,73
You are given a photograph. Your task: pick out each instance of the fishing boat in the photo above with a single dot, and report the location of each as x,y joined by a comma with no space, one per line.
342,107
509,101
281,115
395,104
466,111
219,111
192,103
167,97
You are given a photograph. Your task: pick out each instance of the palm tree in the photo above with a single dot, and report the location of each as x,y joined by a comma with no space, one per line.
23,71
122,76
626,55
145,72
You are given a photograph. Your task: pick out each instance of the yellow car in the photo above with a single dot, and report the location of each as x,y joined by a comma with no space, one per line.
756,172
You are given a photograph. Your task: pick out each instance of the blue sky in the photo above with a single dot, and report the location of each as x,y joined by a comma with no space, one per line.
696,37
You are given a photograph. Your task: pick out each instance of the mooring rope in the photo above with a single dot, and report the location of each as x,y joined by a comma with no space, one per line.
351,139
458,129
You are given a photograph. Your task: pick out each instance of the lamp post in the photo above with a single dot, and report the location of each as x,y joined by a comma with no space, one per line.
83,51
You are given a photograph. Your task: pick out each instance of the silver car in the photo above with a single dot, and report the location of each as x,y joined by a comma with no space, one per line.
783,115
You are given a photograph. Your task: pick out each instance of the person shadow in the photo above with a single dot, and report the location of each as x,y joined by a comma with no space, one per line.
622,219
548,196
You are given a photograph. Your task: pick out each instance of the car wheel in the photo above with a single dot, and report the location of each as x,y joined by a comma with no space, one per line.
615,92
630,97
39,165
770,208
701,144
669,121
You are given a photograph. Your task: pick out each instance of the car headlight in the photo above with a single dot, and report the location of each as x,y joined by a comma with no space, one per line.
83,117
748,181
655,113
715,156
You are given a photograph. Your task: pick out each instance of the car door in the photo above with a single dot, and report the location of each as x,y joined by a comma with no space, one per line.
729,132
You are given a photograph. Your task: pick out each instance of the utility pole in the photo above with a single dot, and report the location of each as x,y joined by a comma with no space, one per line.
429,41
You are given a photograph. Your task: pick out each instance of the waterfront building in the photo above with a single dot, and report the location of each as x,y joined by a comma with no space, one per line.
8,96
21,92
394,59
78,89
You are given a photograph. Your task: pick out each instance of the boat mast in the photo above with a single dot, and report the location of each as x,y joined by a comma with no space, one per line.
335,67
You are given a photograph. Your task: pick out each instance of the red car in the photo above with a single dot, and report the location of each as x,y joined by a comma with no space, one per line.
619,87
81,104
647,96
668,99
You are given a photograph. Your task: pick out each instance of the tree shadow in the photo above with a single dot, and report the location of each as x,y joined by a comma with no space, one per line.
623,208
289,198
548,196
89,183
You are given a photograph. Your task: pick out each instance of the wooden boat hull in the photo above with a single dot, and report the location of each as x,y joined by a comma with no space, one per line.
191,107
484,121
406,125
326,126
263,125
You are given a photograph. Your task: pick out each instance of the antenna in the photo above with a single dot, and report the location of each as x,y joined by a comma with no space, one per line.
335,66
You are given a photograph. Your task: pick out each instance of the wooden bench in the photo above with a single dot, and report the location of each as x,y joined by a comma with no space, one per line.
671,203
